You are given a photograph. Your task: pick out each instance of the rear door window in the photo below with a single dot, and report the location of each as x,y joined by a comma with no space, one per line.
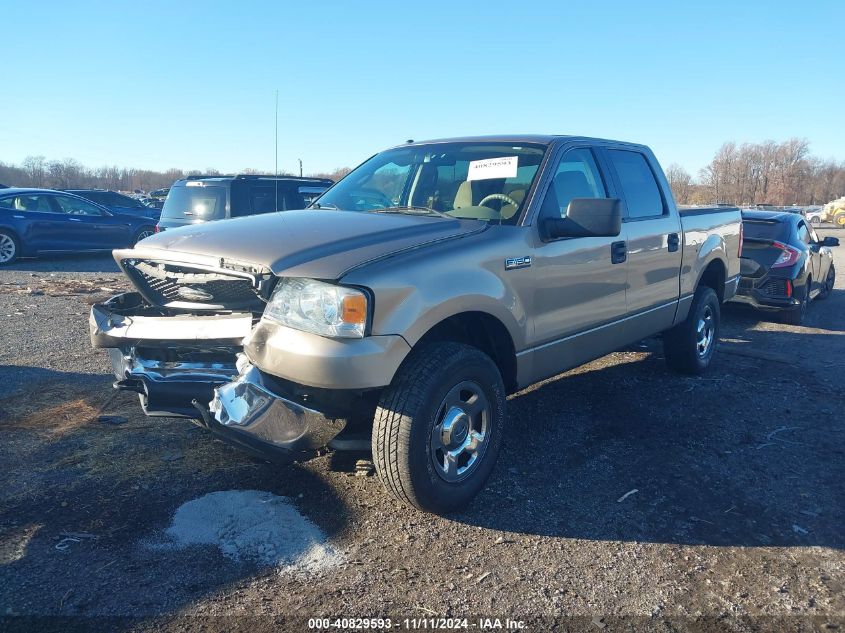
76,206
268,197
803,233
642,195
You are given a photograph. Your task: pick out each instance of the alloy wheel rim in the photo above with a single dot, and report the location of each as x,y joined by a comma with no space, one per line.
461,432
7,248
144,234
704,332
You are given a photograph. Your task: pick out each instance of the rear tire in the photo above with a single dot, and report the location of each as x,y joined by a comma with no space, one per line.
796,316
438,427
144,233
830,280
10,247
689,347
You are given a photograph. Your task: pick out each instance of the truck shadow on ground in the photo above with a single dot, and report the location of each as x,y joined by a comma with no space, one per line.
118,483
623,449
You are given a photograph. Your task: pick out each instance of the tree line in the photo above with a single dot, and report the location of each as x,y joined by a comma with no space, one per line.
781,174
37,171
748,173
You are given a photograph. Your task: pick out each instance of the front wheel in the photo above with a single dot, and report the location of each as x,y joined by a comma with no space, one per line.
438,427
690,346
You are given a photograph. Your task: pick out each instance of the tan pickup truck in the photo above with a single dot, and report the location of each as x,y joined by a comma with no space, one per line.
414,296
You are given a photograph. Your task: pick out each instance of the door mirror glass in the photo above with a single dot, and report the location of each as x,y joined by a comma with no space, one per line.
586,217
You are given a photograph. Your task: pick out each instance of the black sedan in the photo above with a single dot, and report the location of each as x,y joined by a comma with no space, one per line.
784,265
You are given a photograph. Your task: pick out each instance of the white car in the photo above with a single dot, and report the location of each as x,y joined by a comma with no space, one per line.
814,215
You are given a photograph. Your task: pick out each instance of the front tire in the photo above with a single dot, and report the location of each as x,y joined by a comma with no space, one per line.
689,347
10,247
438,427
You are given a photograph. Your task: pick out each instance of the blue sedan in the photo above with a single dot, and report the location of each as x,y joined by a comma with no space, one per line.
38,221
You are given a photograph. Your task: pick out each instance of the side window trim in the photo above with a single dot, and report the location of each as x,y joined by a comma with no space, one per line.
626,217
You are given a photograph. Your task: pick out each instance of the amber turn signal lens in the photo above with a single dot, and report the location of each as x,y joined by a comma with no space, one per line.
354,309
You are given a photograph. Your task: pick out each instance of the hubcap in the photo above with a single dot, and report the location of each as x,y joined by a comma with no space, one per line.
7,248
460,434
704,332
144,234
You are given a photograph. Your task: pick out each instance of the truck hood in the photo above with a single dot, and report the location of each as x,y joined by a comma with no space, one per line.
320,244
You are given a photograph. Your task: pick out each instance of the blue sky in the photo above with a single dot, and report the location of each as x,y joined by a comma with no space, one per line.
192,84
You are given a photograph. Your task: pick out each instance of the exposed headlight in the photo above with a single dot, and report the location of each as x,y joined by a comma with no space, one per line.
318,307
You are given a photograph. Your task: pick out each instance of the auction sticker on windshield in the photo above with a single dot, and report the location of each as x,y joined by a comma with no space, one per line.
504,167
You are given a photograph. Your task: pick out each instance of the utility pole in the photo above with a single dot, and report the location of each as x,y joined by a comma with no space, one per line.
276,165
300,168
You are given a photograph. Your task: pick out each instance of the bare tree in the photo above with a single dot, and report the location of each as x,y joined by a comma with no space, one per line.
36,170
680,182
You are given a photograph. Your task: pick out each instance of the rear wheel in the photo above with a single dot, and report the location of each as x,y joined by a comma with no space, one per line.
438,427
829,282
690,346
839,220
144,233
9,247
796,315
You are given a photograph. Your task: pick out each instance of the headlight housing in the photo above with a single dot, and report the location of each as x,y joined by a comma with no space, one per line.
318,307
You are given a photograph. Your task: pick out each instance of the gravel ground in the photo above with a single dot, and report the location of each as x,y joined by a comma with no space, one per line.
626,497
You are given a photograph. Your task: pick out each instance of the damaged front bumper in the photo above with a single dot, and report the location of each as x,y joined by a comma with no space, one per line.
189,365
169,360
264,420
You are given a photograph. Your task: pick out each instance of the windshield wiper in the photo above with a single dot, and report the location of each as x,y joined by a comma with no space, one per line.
411,210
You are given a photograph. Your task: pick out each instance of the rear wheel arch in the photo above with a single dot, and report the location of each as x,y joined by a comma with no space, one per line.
714,276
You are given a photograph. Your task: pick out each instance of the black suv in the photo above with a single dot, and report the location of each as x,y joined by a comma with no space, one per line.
198,199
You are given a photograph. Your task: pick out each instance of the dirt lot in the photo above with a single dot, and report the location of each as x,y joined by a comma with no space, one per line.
736,522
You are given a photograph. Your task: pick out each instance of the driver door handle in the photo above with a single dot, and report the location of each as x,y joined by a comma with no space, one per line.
618,252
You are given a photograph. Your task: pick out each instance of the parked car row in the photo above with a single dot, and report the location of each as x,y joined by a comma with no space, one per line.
39,221
36,222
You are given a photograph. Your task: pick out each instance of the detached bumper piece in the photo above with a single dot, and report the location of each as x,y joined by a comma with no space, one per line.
249,412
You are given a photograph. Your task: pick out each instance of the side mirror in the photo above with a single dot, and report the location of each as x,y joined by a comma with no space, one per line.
586,217
830,241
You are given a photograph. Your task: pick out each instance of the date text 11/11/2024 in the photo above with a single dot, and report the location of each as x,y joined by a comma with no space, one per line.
417,624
